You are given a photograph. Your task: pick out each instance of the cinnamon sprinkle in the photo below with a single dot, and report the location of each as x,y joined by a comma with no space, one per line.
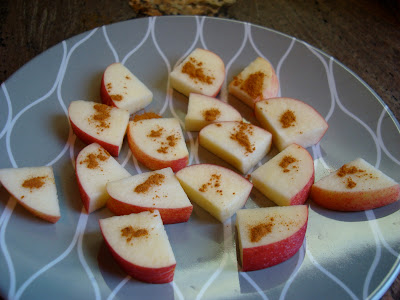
259,231
92,159
286,161
152,180
146,116
195,71
129,232
211,114
241,135
288,119
253,85
101,116
34,182
117,97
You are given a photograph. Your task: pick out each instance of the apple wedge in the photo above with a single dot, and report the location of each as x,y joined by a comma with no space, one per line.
204,110
35,189
201,72
287,178
218,190
158,143
291,121
122,89
94,168
256,82
148,191
356,186
268,236
99,123
140,245
240,144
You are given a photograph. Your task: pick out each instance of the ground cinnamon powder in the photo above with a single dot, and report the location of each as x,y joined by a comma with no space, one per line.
195,71
152,180
117,97
145,116
286,161
253,85
350,183
211,114
288,119
213,182
129,233
259,231
92,159
101,115
346,170
34,182
156,133
241,134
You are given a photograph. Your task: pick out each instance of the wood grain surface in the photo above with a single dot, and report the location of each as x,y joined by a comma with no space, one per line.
364,35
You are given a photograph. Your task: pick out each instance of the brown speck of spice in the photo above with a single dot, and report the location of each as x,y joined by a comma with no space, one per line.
129,233
211,114
213,182
127,77
152,180
350,183
346,170
241,134
117,97
288,119
146,116
286,161
195,71
253,85
34,182
101,116
259,231
92,159
156,133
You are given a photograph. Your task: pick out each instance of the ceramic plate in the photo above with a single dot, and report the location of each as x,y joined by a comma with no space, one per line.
344,256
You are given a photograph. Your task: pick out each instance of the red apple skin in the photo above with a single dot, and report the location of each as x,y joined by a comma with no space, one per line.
105,96
355,201
302,196
168,215
46,217
154,163
262,257
150,275
88,139
84,196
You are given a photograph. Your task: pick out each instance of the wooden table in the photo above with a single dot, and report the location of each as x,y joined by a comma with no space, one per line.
364,35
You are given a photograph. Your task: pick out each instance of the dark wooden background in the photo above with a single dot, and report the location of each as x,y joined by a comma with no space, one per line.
364,35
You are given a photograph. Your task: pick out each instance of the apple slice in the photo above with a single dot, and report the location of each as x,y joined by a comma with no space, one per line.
204,110
35,189
356,186
148,191
218,190
241,144
122,89
94,168
270,235
201,72
140,245
99,123
290,121
256,82
287,178
158,143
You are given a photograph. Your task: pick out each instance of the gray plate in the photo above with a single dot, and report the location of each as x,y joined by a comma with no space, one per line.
344,256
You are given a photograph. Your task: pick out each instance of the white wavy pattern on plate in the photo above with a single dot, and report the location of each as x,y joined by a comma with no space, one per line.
15,292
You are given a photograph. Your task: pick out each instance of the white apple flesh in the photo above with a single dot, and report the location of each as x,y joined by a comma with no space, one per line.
290,121
148,191
287,178
356,186
94,168
122,89
35,189
268,236
218,190
140,245
201,72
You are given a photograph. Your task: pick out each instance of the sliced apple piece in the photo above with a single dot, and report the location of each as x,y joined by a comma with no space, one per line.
201,72
158,143
356,186
95,167
241,144
35,189
256,82
287,178
218,190
140,245
122,89
204,110
268,236
148,191
99,123
291,121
